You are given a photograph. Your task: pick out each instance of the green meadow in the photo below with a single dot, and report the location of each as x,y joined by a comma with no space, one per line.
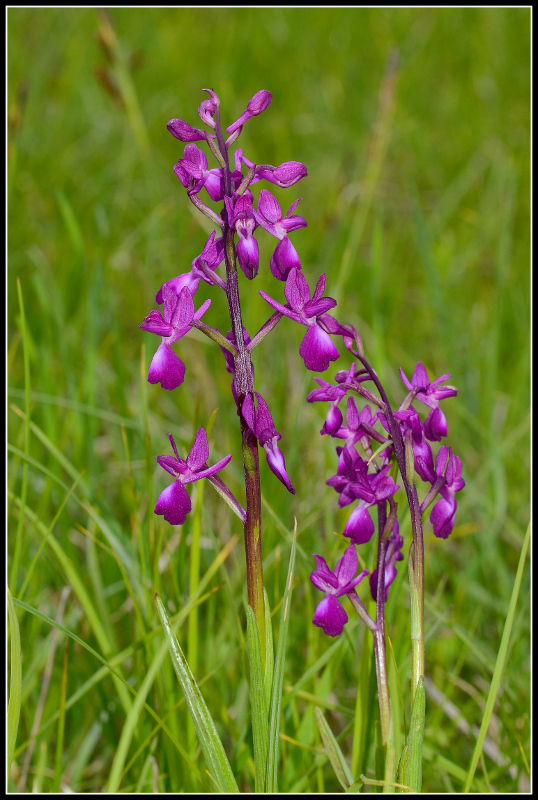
414,125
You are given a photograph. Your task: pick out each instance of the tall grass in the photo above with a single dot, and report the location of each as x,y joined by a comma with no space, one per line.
417,204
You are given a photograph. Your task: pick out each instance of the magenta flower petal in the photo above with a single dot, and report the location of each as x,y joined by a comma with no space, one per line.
276,462
199,452
166,368
330,616
359,527
296,289
268,207
248,255
347,566
442,517
174,504
154,323
317,349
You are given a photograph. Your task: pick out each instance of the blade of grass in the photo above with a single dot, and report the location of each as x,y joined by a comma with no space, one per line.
334,753
413,770
110,669
15,681
258,706
132,720
24,487
61,724
269,653
276,694
141,643
215,756
500,663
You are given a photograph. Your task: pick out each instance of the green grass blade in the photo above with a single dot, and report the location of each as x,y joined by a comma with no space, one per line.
334,753
276,694
416,739
258,706
15,681
501,660
269,652
401,773
211,745
390,756
24,486
132,720
61,724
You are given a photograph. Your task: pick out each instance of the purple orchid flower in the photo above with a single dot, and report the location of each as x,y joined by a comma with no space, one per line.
392,554
285,175
260,422
255,106
241,217
174,502
269,216
330,614
332,394
176,320
212,254
317,349
358,425
444,511
435,427
194,165
352,482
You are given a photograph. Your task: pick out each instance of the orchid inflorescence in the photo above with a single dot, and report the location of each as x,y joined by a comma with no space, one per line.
364,475
367,480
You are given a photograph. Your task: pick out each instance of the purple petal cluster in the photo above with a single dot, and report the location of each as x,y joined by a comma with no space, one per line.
447,465
330,614
317,348
176,320
174,502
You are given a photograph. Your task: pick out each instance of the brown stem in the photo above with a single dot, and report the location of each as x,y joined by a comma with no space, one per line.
249,444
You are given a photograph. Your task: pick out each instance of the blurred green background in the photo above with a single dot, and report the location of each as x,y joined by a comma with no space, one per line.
414,127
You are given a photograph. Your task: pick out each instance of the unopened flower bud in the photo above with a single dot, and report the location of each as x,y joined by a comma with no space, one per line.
184,132
255,106
206,110
334,420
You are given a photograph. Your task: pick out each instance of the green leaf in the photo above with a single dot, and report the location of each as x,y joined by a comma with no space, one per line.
260,727
215,756
269,652
276,693
334,753
415,739
15,682
401,774
379,757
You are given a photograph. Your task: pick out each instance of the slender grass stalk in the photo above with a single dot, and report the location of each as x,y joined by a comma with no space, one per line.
24,486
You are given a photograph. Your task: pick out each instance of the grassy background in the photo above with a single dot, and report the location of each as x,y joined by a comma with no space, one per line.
417,203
